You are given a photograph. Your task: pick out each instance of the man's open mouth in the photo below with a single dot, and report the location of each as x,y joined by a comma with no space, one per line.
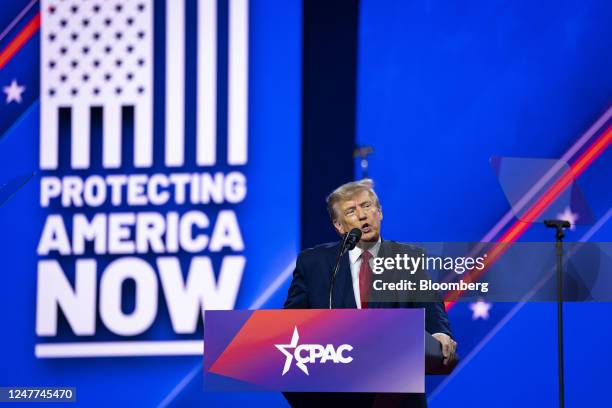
365,228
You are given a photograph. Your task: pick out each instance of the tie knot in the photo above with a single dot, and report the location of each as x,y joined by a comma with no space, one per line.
366,255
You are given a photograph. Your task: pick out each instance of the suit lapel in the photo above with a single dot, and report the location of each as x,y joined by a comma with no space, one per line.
344,296
349,293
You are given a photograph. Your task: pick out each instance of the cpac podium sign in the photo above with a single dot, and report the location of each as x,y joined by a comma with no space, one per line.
339,350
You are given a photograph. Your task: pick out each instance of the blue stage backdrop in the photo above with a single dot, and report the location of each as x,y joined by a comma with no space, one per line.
442,87
150,158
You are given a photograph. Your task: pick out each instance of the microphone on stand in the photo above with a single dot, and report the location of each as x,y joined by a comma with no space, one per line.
560,226
348,242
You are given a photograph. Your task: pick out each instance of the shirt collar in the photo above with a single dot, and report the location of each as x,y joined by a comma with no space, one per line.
355,253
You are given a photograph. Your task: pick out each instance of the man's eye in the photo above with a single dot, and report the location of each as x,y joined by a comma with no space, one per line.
349,212
367,205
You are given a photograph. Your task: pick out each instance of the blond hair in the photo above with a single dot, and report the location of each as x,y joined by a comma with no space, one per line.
348,191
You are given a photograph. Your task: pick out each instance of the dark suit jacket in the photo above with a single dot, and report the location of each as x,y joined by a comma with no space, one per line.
310,290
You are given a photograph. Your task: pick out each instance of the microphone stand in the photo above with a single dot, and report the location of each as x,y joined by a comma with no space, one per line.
341,252
559,225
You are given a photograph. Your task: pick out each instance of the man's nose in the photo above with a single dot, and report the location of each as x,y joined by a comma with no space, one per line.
361,214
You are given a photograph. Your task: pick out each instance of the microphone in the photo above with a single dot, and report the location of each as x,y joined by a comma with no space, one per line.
352,238
557,223
348,242
560,225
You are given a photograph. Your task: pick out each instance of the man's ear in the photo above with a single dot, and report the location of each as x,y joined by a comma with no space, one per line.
338,227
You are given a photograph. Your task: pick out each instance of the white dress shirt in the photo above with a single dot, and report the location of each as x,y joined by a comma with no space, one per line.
355,261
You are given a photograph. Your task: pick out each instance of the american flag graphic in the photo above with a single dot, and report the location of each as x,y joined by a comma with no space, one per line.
100,55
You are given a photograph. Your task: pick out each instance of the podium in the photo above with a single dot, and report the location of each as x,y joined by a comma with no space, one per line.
319,350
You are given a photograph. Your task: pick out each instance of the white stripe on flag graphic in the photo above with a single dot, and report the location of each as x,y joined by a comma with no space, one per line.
207,83
48,136
80,136
112,136
238,65
175,82
143,137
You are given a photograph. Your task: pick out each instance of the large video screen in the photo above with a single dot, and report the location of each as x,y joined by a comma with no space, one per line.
150,170
442,88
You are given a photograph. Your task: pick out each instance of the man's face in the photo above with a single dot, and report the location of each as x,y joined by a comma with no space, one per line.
360,211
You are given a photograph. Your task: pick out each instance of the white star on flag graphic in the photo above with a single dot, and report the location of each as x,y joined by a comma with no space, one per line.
480,310
13,92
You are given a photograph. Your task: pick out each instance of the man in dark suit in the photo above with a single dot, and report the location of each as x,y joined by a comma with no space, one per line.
356,205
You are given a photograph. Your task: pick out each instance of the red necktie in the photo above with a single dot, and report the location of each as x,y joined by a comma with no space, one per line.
365,279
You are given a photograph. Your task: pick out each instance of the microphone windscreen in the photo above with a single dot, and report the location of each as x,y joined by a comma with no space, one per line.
353,238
